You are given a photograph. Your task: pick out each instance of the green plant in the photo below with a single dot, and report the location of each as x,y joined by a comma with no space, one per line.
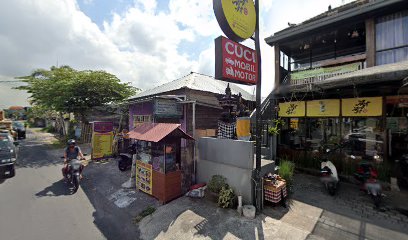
277,126
216,183
226,197
286,170
146,212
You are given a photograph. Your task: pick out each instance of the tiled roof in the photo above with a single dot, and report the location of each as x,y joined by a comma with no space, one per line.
155,132
199,82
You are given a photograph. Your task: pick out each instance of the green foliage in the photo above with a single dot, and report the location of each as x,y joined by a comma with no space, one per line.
64,89
226,198
286,171
216,183
146,212
277,124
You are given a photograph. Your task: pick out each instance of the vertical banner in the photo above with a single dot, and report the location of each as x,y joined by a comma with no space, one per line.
144,177
102,140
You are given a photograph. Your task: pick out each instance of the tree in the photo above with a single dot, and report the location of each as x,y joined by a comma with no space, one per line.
66,90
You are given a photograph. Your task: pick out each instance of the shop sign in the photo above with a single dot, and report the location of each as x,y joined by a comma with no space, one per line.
325,71
237,18
292,109
102,145
102,127
167,108
102,139
400,101
235,62
144,177
323,108
362,107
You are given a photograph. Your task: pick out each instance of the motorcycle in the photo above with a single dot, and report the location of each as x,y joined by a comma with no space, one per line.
329,174
73,173
367,175
125,161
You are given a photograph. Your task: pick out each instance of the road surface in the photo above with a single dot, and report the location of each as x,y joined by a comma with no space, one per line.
36,203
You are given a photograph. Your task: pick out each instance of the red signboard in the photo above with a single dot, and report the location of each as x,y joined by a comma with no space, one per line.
102,127
235,62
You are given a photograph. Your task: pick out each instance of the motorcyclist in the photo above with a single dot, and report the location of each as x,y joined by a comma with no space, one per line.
72,152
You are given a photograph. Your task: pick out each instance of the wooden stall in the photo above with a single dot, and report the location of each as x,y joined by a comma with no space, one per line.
158,165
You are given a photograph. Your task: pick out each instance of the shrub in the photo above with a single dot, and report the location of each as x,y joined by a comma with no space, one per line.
286,170
216,183
226,197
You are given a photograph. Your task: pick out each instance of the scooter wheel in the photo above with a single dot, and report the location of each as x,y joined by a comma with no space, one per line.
122,166
377,201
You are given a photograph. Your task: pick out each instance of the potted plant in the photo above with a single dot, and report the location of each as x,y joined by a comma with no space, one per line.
226,198
214,186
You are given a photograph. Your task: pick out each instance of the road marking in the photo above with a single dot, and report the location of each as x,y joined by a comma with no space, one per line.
122,198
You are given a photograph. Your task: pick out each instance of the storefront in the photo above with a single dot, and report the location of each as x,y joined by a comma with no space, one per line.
159,169
369,128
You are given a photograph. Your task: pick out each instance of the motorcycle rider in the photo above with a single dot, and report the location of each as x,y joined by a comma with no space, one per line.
72,152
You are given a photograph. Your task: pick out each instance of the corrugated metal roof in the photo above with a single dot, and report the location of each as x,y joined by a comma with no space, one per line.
155,132
196,81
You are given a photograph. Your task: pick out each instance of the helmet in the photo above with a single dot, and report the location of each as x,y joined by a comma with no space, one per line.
71,142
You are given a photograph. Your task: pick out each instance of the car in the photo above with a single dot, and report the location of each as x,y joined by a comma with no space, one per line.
8,156
19,128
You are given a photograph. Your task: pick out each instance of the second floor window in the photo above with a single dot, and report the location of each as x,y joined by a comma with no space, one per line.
392,38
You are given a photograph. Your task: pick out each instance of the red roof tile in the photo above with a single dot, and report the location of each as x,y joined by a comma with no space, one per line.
155,132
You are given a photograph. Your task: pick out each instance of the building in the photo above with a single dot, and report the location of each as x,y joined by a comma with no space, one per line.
341,77
191,101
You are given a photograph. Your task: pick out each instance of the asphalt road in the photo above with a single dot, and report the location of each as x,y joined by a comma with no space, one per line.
37,204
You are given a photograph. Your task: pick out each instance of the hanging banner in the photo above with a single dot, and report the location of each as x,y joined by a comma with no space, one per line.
144,177
323,108
292,109
235,62
102,140
362,107
237,18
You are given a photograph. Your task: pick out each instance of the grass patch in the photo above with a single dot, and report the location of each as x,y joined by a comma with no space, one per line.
146,212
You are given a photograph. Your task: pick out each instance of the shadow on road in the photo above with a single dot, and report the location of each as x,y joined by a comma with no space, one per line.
59,188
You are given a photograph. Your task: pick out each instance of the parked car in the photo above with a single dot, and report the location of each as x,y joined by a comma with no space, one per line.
20,129
8,156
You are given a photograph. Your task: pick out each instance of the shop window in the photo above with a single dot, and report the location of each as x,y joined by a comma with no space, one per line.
392,38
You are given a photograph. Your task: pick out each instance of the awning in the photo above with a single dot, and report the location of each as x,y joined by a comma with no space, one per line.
155,132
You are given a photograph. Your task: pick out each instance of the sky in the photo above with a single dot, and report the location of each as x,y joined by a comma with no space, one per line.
144,42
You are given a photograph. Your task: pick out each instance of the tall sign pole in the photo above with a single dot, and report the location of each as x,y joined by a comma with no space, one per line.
258,116
239,20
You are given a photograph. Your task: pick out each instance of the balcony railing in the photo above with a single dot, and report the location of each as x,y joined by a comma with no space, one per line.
320,74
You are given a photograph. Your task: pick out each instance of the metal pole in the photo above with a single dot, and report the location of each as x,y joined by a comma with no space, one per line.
258,189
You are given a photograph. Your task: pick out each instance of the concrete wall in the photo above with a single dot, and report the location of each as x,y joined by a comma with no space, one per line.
232,159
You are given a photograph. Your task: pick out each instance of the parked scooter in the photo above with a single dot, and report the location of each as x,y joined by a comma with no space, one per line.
125,161
329,174
367,175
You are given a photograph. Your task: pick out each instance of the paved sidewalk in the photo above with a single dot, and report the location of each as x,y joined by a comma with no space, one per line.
312,214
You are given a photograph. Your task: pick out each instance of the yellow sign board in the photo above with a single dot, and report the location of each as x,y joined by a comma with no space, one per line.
323,108
102,145
237,18
292,109
362,107
144,177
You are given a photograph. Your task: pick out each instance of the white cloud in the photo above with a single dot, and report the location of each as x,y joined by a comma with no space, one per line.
144,45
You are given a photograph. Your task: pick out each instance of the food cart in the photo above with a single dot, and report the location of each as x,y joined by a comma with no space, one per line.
158,163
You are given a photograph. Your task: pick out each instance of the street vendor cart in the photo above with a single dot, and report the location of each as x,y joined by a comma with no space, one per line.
158,164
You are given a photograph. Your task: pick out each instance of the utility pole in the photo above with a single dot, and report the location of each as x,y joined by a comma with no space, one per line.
258,116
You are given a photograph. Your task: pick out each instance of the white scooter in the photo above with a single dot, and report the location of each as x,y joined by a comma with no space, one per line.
329,175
